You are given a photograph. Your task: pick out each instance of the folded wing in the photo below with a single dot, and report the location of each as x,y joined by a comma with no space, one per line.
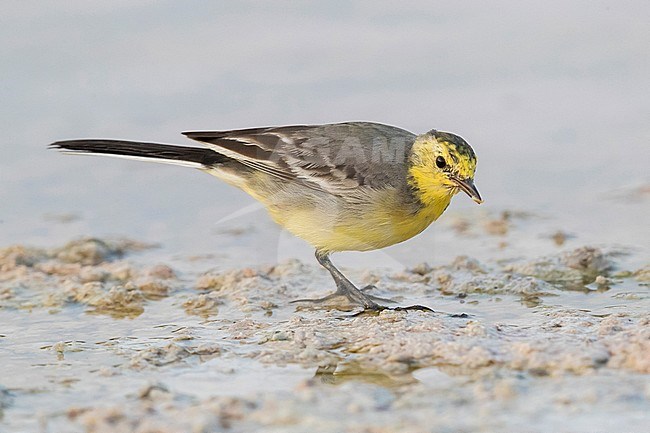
334,157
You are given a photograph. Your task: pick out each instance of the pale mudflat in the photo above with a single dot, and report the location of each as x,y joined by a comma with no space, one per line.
97,339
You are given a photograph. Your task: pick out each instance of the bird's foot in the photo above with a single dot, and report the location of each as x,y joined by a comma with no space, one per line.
370,287
322,300
379,308
343,301
414,308
354,296
358,298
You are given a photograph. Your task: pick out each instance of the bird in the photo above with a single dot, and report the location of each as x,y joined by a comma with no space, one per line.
349,186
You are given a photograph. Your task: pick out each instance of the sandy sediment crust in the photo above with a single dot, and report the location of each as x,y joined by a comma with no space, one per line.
400,362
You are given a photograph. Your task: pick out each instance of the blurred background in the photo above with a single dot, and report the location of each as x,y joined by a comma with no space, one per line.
553,96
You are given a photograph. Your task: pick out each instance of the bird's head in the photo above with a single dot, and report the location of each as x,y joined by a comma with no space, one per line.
441,165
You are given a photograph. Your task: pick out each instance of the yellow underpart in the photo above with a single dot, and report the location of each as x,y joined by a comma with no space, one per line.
333,223
337,225
360,221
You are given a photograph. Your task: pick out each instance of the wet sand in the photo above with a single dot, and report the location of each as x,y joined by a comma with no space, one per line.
95,341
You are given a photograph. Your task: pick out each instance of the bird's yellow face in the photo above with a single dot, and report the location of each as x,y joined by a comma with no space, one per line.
441,165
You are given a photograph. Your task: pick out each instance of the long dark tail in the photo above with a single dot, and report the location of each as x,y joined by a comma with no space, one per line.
166,153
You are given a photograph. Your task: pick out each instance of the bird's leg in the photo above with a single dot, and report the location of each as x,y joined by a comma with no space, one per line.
344,287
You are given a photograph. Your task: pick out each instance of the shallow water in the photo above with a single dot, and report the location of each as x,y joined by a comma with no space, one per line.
552,97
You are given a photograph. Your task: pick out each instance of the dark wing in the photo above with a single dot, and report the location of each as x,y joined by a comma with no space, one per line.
332,157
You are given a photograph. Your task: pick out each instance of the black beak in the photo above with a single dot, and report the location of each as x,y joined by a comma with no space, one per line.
468,187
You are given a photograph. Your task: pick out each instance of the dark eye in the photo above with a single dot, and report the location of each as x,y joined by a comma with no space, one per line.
440,162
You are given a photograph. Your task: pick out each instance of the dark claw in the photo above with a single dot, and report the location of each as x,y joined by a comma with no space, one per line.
414,308
374,310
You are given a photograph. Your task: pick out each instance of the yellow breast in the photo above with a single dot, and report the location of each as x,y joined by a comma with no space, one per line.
358,221
340,225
